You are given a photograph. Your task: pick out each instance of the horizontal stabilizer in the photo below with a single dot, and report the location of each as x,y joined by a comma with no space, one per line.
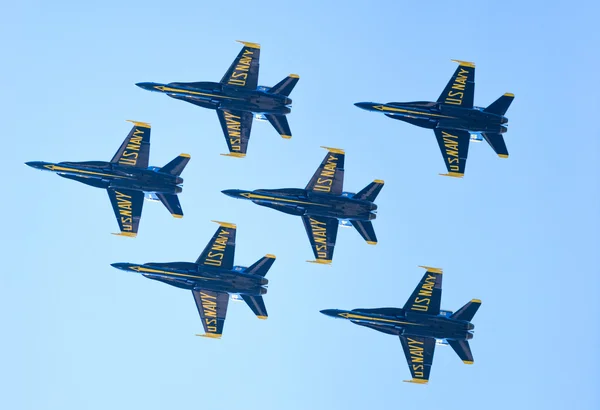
280,123
285,86
171,202
500,106
257,304
365,229
370,192
262,266
497,143
467,311
176,166
462,349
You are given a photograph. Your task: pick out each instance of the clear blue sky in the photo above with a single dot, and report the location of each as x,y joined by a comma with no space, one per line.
520,234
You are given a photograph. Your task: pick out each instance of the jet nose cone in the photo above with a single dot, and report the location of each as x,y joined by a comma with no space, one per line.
330,312
365,105
234,193
35,164
147,86
122,266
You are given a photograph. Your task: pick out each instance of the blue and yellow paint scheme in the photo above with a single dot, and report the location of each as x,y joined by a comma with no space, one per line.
213,278
127,178
238,98
454,119
323,205
420,323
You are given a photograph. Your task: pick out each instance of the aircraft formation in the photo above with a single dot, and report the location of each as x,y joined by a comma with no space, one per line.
323,204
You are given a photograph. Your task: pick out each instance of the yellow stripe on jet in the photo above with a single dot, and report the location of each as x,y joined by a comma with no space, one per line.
402,110
272,198
377,319
59,168
149,270
166,89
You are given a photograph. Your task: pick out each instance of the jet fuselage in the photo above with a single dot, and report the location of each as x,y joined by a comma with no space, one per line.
216,95
310,203
399,322
106,175
436,115
189,275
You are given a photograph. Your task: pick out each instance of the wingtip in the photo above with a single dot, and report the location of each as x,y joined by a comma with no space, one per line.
248,44
453,174
294,76
432,269
226,224
287,137
321,261
509,95
416,381
185,155
126,234
335,150
262,317
468,362
210,335
270,256
503,155
476,301
465,63
234,155
372,242
140,123
379,181
178,216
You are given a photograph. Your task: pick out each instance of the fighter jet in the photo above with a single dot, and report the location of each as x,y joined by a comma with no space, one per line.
323,205
454,119
127,177
420,323
238,98
212,278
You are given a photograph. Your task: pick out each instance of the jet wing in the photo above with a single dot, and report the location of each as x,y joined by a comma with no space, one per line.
212,307
322,233
135,150
329,177
454,145
236,126
243,72
427,296
461,87
220,251
127,205
419,355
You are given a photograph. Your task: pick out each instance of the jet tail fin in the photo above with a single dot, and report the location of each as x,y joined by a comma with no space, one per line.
467,311
257,305
370,192
262,266
280,123
462,349
500,106
176,166
285,86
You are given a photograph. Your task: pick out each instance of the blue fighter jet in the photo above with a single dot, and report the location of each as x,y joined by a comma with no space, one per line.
127,177
420,323
213,278
238,99
323,205
454,119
